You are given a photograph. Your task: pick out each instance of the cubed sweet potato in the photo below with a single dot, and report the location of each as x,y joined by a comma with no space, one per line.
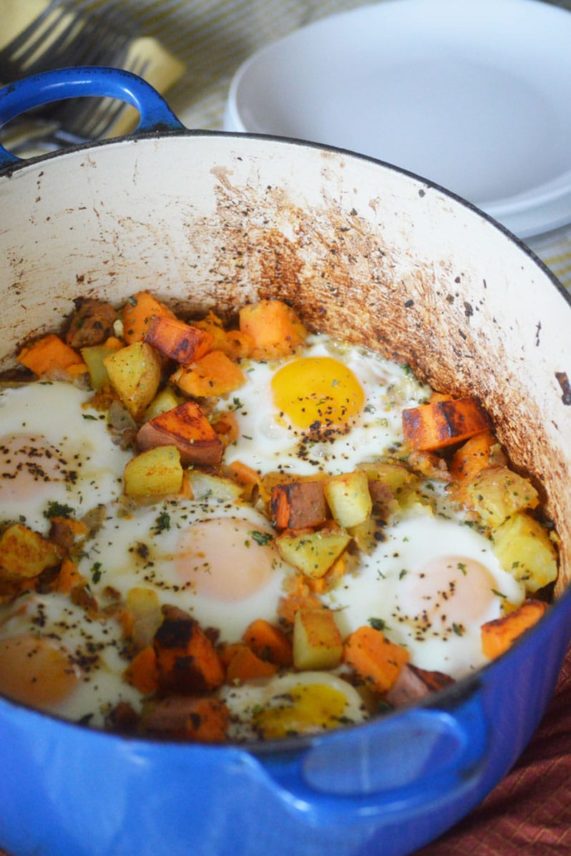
499,635
50,355
178,341
274,328
138,313
187,428
443,423
375,659
187,661
213,375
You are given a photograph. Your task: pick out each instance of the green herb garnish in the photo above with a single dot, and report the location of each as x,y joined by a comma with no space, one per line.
57,509
261,538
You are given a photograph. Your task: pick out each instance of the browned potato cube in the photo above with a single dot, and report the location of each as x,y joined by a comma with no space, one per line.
317,642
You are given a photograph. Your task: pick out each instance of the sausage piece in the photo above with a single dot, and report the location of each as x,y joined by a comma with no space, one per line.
91,323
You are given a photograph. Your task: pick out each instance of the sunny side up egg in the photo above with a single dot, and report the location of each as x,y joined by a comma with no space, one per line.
329,408
215,558
55,656
54,450
429,585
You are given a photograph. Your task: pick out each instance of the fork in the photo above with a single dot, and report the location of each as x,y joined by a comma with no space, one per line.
78,39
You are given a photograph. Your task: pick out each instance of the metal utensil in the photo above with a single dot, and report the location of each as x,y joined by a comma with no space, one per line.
68,34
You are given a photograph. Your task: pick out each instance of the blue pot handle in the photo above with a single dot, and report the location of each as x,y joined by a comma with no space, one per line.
38,89
422,757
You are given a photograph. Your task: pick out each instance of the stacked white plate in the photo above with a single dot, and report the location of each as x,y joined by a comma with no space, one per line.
474,95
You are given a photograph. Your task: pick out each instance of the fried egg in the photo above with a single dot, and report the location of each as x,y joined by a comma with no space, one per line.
213,558
329,408
54,450
429,585
304,703
55,656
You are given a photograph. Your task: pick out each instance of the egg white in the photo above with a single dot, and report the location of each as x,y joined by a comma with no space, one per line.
267,443
94,646
243,701
382,587
134,549
54,450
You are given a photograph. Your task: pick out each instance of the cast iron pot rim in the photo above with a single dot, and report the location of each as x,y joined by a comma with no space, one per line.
162,133
445,700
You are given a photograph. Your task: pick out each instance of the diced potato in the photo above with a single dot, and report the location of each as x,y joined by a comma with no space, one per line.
348,498
317,642
367,535
398,480
135,373
497,492
313,553
94,358
525,550
25,554
156,472
204,485
144,615
161,403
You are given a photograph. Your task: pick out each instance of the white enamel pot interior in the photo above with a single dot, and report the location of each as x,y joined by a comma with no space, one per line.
364,251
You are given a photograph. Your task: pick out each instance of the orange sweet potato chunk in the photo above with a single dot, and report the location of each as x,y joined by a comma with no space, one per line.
187,661
214,374
50,353
245,666
375,659
500,634
187,428
177,340
473,456
138,313
268,642
443,423
274,329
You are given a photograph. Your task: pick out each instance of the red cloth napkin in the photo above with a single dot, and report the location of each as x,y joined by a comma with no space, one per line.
529,812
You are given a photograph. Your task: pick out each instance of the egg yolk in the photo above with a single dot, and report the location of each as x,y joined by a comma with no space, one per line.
449,590
306,707
226,559
34,671
317,393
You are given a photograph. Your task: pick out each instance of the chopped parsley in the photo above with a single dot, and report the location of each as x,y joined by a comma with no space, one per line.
458,629
58,509
498,593
462,567
96,572
261,538
162,523
378,623
403,573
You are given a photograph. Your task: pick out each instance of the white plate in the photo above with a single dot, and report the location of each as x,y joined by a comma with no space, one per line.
474,95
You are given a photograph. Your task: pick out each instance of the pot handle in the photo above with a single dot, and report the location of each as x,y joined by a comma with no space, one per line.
23,95
419,758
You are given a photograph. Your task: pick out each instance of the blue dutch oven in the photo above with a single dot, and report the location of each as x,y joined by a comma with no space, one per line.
418,274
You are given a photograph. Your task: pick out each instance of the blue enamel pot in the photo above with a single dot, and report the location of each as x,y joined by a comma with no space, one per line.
370,254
